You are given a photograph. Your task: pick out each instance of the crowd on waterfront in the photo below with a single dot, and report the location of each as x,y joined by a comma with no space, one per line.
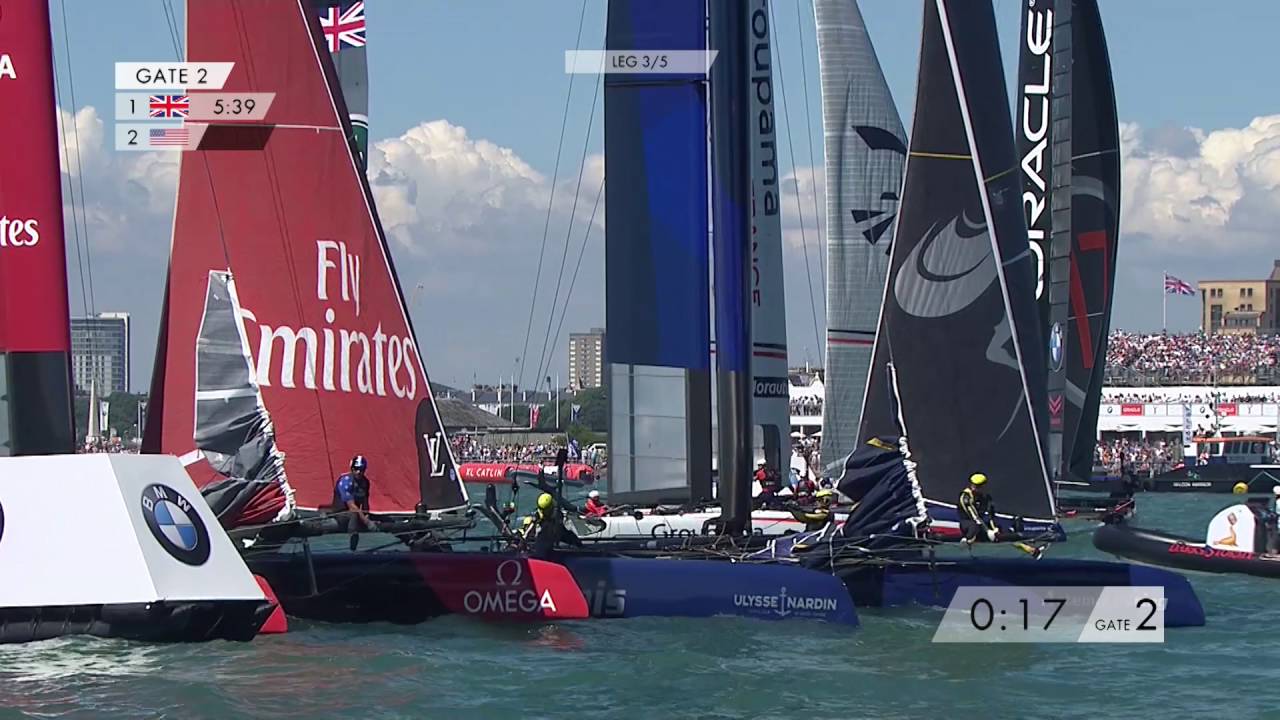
806,406
1228,355
113,445
1142,457
1200,396
474,448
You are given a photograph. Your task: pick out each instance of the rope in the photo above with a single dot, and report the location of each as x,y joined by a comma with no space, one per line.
546,226
808,124
75,130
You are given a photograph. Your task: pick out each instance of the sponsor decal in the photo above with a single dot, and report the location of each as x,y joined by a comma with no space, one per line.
1055,347
1055,409
874,223
772,387
1035,132
947,270
175,524
509,596
347,360
1228,409
19,232
1208,552
764,181
665,530
1131,409
783,604
604,600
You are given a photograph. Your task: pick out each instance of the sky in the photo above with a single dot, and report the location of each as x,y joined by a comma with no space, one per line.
466,105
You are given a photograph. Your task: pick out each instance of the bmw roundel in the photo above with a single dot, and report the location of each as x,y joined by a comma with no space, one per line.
175,524
1055,346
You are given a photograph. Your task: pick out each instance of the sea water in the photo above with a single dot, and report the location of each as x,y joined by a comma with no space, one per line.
675,668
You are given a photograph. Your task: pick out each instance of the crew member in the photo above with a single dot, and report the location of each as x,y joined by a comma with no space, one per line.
978,516
1239,489
550,530
595,506
351,500
770,485
818,517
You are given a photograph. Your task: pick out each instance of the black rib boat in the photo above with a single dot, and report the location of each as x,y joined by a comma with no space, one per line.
1183,553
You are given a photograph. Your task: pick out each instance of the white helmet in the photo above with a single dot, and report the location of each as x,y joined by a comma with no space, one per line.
595,494
1276,490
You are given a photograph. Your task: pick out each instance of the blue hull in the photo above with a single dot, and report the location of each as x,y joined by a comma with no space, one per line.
889,586
621,587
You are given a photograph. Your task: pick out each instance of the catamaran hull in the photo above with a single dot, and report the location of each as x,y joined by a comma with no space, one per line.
1183,553
413,587
628,587
652,525
935,584
149,622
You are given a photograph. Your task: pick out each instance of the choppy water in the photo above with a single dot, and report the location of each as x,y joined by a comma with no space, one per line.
723,668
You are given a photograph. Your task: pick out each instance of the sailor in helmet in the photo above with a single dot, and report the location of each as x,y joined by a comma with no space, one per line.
351,500
977,516
595,506
548,528
818,517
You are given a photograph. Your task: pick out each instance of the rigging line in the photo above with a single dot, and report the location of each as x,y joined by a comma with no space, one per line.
555,176
581,251
75,130
71,194
544,358
804,239
808,125
171,24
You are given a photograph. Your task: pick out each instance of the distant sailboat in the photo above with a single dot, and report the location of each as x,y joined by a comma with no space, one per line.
866,151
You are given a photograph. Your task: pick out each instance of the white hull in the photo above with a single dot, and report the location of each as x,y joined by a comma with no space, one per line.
763,522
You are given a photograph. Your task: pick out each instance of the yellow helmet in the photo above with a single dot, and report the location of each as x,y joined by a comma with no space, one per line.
527,521
1240,488
978,479
545,501
825,494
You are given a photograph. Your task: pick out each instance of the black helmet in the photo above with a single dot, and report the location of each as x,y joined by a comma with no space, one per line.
359,462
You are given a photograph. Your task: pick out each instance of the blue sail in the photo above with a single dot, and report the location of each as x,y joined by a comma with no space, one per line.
657,260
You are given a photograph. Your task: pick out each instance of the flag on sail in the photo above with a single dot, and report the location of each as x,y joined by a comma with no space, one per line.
343,24
168,106
1176,286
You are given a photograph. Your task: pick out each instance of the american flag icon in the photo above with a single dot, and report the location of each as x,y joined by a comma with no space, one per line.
170,137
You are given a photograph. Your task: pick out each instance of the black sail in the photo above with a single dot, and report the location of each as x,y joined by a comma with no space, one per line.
1095,222
960,321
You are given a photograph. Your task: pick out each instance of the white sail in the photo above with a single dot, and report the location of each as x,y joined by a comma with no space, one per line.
865,154
771,406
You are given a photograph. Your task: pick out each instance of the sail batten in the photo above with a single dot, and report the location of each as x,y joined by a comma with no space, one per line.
866,149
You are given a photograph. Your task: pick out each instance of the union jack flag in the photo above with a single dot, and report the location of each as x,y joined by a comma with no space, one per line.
343,27
1174,286
169,106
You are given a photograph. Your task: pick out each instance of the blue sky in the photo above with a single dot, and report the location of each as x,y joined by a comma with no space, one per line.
495,68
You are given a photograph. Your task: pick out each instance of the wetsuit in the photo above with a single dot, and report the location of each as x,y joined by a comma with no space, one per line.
550,531
350,488
976,514
814,519
595,508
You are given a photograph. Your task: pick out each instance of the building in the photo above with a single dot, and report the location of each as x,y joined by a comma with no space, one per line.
586,359
1241,306
100,352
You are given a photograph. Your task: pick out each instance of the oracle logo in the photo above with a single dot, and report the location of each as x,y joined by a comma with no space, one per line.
16,232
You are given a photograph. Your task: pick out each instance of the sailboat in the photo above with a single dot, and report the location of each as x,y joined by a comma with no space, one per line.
961,277
866,149
285,348
148,567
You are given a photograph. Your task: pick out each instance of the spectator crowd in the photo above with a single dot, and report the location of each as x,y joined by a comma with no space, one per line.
1194,357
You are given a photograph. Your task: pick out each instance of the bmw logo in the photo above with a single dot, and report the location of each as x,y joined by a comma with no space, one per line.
175,524
1055,347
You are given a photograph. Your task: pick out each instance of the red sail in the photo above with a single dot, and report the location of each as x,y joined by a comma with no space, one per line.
282,205
34,335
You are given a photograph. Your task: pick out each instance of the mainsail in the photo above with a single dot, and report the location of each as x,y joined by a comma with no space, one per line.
865,149
657,262
959,317
35,339
343,25
770,408
284,208
1095,224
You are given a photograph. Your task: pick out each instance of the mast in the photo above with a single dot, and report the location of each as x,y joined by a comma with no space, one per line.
866,149
36,416
731,212
771,408
343,24
657,261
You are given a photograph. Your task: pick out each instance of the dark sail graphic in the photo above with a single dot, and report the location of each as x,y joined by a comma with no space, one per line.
959,319
866,150
232,427
657,262
1095,223
343,24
